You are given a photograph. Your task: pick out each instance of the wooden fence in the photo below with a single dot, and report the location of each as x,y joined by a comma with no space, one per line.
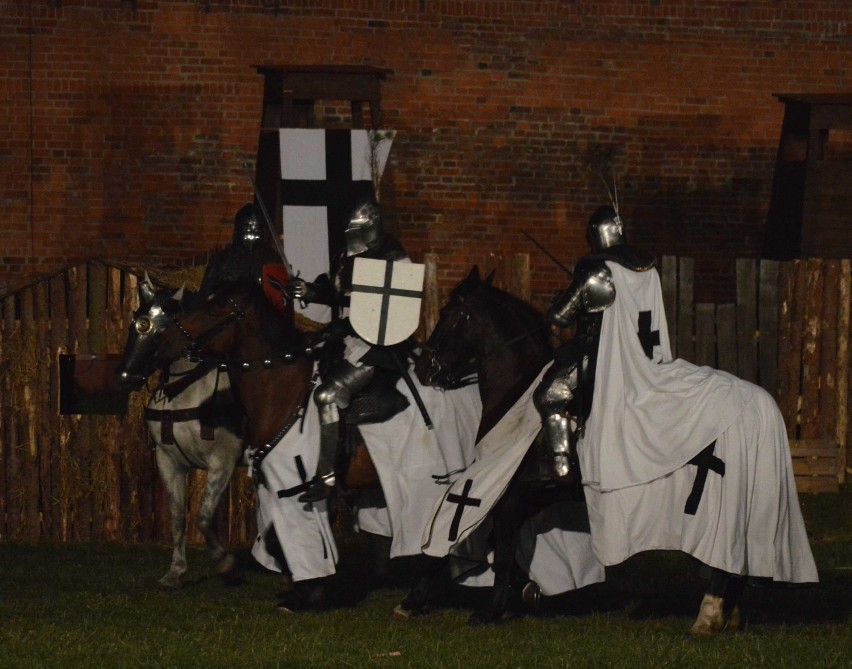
93,477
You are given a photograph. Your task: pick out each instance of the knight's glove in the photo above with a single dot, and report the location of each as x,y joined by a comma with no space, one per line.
297,289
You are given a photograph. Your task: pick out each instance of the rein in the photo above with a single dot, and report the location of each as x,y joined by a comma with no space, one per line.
193,351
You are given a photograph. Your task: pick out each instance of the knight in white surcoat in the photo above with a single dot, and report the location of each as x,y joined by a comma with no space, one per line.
365,238
672,456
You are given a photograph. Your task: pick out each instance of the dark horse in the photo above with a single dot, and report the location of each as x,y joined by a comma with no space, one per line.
503,342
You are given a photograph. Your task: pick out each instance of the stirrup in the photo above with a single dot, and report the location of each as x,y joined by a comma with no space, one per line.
321,488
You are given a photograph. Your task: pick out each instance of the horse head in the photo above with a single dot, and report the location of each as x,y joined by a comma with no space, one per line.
449,358
157,311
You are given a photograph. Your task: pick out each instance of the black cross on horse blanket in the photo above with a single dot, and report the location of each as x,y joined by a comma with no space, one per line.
304,530
682,457
555,548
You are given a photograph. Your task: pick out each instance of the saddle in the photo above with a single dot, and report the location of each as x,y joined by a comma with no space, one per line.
378,401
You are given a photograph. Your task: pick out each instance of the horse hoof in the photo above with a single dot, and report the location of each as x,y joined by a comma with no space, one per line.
402,612
710,619
734,621
170,582
531,596
225,565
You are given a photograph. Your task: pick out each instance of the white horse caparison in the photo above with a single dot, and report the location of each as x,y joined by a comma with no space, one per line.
198,428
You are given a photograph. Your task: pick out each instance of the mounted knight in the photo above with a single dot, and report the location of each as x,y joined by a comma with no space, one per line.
356,361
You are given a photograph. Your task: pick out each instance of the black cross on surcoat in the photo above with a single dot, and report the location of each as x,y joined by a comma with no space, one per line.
705,461
296,489
648,338
462,500
386,291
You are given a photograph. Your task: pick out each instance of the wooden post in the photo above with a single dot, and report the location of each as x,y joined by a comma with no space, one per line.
12,461
45,435
809,414
431,301
792,289
726,337
685,342
705,336
79,483
767,313
746,319
842,401
59,453
668,283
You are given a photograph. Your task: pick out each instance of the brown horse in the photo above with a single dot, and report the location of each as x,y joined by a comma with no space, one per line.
269,361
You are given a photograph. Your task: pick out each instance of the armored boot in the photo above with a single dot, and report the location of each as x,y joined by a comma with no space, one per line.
323,483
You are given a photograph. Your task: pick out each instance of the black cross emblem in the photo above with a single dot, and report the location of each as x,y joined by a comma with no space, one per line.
705,461
648,338
386,291
296,489
462,500
338,192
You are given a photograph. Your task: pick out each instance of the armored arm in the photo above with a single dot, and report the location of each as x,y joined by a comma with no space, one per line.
320,291
591,291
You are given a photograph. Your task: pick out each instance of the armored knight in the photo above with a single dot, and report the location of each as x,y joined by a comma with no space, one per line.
365,238
566,388
244,257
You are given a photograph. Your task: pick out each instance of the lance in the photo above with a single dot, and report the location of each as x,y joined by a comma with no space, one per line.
548,254
268,220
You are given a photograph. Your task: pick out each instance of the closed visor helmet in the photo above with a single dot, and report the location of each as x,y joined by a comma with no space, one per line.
364,230
247,228
605,229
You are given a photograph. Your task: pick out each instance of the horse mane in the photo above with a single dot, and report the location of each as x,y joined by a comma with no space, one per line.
511,315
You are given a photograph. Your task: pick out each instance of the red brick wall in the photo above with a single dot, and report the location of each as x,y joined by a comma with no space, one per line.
126,123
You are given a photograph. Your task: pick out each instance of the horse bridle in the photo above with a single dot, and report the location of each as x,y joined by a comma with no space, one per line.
193,351
453,381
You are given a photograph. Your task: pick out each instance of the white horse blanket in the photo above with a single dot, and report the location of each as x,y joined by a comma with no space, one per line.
555,546
682,457
414,464
304,531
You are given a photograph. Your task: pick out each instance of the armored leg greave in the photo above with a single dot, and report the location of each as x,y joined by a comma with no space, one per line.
551,400
333,395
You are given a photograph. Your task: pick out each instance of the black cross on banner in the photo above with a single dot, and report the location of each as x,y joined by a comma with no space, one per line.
648,338
296,489
387,291
338,193
705,461
462,500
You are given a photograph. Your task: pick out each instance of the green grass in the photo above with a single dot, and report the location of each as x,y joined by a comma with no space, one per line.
98,606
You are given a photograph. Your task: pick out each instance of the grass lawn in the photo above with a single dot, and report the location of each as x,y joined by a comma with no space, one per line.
98,606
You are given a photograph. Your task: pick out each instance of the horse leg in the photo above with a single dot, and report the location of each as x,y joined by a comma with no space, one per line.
415,602
173,476
218,477
507,525
720,605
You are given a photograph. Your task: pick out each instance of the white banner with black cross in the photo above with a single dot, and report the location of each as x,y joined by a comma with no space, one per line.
384,307
324,173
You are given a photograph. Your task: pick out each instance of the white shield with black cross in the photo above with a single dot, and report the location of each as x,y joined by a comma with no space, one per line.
384,308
